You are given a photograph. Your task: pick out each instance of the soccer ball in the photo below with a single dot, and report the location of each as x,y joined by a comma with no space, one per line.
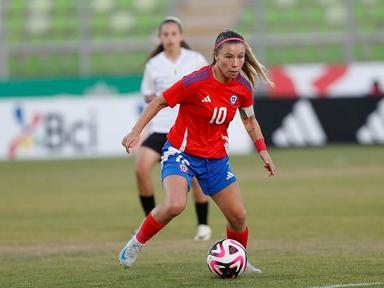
227,258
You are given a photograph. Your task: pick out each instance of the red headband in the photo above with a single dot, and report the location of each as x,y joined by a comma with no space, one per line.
229,39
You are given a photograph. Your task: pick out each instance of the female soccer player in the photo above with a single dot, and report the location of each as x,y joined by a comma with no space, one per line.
167,64
197,142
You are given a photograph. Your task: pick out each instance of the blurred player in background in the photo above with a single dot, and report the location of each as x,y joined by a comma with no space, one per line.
168,63
197,142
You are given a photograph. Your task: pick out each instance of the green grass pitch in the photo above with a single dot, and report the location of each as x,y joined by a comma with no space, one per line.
320,222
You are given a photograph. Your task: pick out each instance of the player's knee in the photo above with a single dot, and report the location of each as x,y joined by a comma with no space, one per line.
239,219
174,209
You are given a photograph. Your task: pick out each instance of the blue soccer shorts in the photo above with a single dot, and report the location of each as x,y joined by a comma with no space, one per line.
213,174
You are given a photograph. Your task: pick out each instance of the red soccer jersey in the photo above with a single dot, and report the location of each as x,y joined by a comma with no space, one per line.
207,106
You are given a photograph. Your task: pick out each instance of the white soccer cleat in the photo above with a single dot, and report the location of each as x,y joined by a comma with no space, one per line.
203,232
252,269
129,253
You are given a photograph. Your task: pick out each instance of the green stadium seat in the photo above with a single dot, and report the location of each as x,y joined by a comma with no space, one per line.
129,64
123,4
37,66
65,6
17,7
366,52
39,6
121,21
102,6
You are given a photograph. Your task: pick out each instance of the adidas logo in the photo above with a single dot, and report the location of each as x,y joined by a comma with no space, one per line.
229,175
299,128
372,132
206,99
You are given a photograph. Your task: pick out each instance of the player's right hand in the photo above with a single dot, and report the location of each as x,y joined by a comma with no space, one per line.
129,141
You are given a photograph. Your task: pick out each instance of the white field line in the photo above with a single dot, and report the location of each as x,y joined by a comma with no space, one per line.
350,285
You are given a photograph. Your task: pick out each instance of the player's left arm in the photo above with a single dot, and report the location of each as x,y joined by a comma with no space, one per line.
254,131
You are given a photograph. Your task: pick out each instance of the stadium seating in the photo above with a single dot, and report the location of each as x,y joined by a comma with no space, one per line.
55,24
317,18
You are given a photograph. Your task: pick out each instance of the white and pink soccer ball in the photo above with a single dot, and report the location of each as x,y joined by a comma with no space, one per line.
227,258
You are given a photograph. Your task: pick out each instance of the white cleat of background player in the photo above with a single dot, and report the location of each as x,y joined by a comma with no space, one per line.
203,232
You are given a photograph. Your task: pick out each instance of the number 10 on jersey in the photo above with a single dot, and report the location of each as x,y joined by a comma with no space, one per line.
219,114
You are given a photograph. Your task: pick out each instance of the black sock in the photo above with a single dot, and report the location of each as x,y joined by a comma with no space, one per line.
202,212
148,203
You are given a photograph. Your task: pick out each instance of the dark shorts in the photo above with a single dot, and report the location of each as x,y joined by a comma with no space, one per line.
155,141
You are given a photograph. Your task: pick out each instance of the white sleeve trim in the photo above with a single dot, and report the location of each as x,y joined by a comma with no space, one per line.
247,111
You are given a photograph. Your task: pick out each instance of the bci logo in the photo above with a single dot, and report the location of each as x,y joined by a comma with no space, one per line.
79,134
54,132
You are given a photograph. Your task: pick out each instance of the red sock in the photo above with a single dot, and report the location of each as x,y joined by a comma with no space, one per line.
148,229
241,237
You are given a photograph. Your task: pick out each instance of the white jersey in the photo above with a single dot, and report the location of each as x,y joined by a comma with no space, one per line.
161,73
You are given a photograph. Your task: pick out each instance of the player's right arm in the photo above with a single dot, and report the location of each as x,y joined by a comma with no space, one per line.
132,138
176,94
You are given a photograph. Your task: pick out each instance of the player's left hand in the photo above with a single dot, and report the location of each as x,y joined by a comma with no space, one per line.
268,163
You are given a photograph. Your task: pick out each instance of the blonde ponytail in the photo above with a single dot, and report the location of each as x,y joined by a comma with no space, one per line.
254,69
